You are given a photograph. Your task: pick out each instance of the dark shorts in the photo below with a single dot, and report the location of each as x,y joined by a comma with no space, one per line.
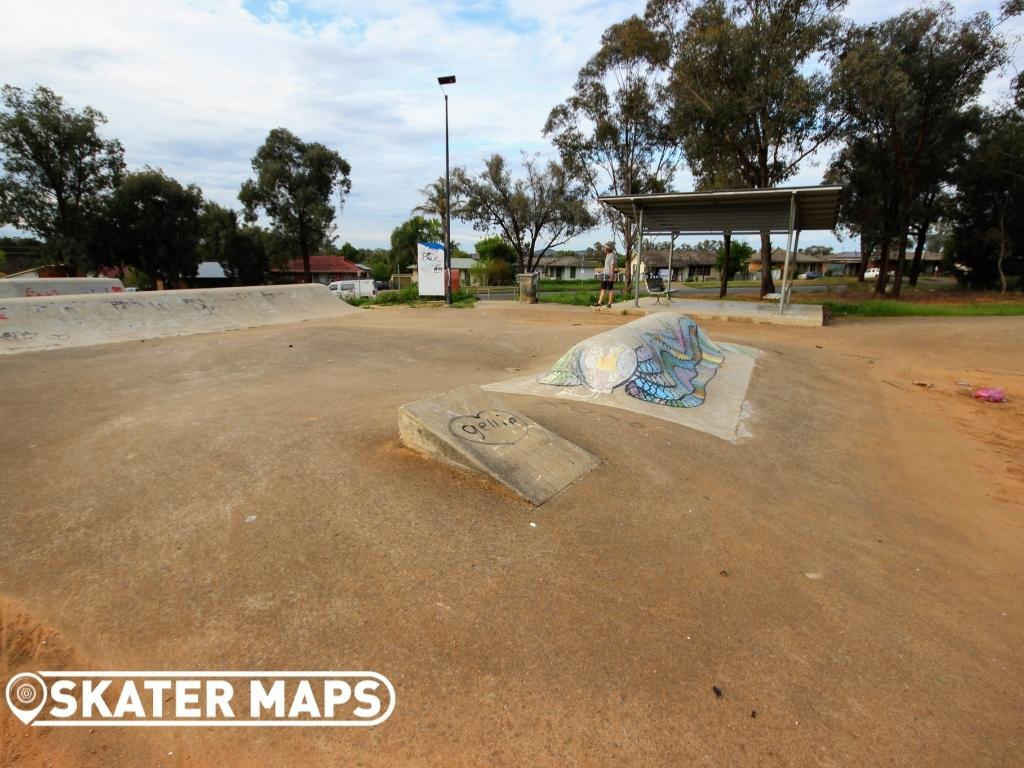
607,285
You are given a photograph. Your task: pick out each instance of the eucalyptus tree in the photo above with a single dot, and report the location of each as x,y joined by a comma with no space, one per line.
613,132
542,210
988,225
295,185
908,86
750,102
152,223
57,172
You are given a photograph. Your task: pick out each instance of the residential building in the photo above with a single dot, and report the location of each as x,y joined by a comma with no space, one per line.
842,264
569,265
324,269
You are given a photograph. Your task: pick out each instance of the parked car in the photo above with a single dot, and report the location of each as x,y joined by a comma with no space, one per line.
871,274
348,289
809,275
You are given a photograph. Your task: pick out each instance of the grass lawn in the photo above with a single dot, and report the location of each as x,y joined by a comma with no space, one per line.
894,308
578,298
410,296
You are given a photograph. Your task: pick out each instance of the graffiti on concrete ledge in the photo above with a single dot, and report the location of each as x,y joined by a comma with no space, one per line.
491,427
664,359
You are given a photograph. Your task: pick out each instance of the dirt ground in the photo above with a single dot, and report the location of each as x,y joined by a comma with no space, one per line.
849,578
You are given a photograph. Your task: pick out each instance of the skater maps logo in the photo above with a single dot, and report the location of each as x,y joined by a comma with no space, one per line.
196,699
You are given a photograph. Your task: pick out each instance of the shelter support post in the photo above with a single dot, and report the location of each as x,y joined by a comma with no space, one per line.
724,277
671,247
789,253
796,249
637,259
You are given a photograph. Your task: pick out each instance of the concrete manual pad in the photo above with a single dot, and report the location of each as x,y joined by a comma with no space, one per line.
635,359
477,431
808,315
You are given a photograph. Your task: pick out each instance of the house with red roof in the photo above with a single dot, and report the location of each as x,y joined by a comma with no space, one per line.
325,269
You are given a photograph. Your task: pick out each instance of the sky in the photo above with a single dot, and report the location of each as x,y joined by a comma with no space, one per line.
194,87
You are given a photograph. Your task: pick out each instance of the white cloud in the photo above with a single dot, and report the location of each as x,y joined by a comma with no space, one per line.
194,87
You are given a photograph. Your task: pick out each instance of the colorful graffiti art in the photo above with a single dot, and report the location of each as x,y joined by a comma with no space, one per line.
663,359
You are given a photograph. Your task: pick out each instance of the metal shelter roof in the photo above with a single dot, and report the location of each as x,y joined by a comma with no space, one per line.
739,211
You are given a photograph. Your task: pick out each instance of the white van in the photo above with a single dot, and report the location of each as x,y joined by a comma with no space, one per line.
348,289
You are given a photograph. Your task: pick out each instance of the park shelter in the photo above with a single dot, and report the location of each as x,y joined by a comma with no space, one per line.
728,212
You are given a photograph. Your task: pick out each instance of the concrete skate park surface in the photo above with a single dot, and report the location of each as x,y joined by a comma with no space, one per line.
851,573
53,322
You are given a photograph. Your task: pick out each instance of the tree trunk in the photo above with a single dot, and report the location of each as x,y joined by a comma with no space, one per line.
767,284
866,247
883,267
915,266
1002,250
727,237
901,261
307,274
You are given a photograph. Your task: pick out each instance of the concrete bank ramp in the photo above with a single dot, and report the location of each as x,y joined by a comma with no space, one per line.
52,322
475,430
23,287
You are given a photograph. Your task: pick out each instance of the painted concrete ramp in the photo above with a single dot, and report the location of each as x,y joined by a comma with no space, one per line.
661,365
53,322
477,431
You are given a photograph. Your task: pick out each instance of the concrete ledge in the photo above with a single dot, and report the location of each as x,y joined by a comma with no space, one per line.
810,315
474,430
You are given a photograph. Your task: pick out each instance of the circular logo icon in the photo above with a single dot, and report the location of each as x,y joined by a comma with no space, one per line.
26,695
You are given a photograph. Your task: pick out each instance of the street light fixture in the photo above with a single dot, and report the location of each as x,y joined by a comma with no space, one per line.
442,82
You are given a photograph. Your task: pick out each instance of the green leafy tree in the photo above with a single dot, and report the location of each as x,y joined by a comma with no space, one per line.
739,258
253,252
748,104
246,253
613,132
818,250
931,208
405,237
492,271
58,171
861,170
988,226
380,269
218,228
349,252
495,248
534,214
707,246
295,185
23,252
153,225
908,87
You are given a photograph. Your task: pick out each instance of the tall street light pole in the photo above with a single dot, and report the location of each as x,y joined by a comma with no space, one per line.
443,81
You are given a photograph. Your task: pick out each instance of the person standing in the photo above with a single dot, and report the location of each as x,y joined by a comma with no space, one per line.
608,276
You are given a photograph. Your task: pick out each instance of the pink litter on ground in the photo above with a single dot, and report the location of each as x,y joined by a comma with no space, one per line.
990,394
